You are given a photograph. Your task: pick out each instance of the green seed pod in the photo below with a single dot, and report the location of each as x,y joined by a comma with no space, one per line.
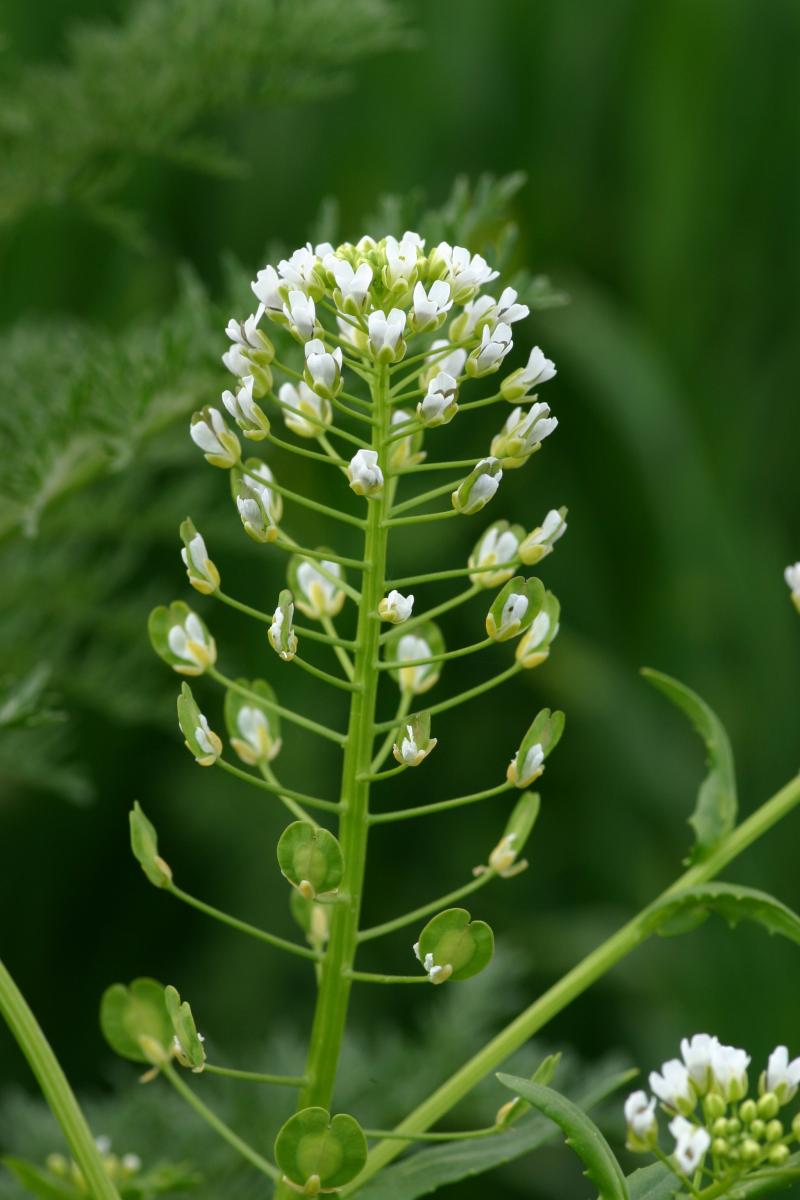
203,575
135,1022
414,742
187,1044
281,634
498,544
453,947
514,608
144,844
474,492
319,1153
534,645
254,730
540,740
425,641
539,542
260,506
179,637
504,859
200,740
512,1110
311,859
315,586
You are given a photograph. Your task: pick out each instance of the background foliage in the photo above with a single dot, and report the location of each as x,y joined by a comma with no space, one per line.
141,159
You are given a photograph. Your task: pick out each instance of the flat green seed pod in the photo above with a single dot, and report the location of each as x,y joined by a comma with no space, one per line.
312,1144
310,858
189,1051
452,940
129,1015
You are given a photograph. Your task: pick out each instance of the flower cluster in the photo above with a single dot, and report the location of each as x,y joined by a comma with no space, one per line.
719,1133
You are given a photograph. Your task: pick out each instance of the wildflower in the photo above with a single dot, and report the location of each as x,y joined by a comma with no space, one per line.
395,607
414,743
451,364
674,1086
249,416
691,1144
200,739
352,285
181,639
519,383
401,260
474,492
792,577
301,270
729,1068
323,368
476,315
431,307
640,1118
312,413
209,431
267,289
203,575
300,312
281,634
497,545
316,586
697,1054
260,506
522,434
508,310
435,973
439,405
487,357
465,272
386,334
540,541
254,729
507,615
534,644
237,361
782,1077
366,477
415,649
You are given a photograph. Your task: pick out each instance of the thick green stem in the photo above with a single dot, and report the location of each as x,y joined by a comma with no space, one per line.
55,1088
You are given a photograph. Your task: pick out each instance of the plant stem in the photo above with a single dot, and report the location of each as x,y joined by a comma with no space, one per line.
576,981
386,665
270,784
271,939
403,705
297,718
55,1087
436,611
454,573
372,977
254,1076
340,647
409,918
462,697
333,680
424,810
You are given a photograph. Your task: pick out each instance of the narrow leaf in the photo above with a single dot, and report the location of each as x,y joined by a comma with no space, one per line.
38,1182
688,908
581,1133
714,814
655,1182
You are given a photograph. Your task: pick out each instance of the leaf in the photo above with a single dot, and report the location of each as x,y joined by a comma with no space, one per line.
714,814
688,908
36,1181
581,1133
428,1170
655,1182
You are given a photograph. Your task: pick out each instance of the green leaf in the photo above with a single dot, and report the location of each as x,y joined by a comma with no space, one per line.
714,814
311,1143
581,1133
189,1045
310,858
516,1108
135,1021
655,1182
688,908
38,1182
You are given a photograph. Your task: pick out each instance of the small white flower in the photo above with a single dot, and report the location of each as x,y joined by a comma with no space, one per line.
513,612
353,284
477,313
792,577
466,272
324,367
366,477
691,1144
409,752
498,545
246,413
283,641
782,1076
299,270
237,360
245,333
103,1144
507,308
431,306
523,430
437,974
537,631
439,404
319,595
495,345
198,564
189,643
255,743
214,438
266,287
131,1163
316,409
479,487
401,257
673,1086
551,529
261,511
532,766
697,1054
385,333
410,649
539,368
450,364
640,1115
395,607
729,1067
208,741
301,314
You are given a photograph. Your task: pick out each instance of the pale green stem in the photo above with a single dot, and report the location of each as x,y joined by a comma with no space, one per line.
324,426
462,697
55,1087
333,680
233,1139
402,431
389,774
429,356
331,453
425,810
340,647
422,518
254,1076
387,1135
575,982
319,562
333,400
294,808
445,656
482,403
243,926
270,784
455,573
424,497
436,611
372,977
403,705
437,905
325,510
266,619
330,459
455,464
319,556
296,718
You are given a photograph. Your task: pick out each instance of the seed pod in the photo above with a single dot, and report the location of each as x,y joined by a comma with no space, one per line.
135,1022
534,645
414,742
310,858
179,637
542,737
200,740
453,947
202,573
504,859
319,1153
187,1043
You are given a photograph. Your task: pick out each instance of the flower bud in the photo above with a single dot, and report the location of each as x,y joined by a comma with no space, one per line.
773,1131
534,645
402,261
522,434
720,1148
249,416
474,492
316,586
514,608
641,1122
519,383
414,742
768,1106
254,729
366,477
715,1107
323,369
179,637
200,740
497,545
281,634
250,354
395,607
311,859
540,540
260,506
440,403
749,1150
781,1076
203,575
729,1069
144,844
301,315
430,308
408,651
219,444
778,1155
304,411
488,357
540,740
386,341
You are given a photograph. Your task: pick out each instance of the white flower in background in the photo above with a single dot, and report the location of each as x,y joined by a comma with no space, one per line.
266,288
246,333
313,412
792,577
540,541
782,1077
465,272
237,360
323,368
366,477
539,369
697,1053
673,1086
640,1115
131,1162
299,271
209,431
353,285
430,307
440,403
349,332
522,432
199,567
401,258
408,752
436,974
190,642
691,1144
729,1066
498,545
318,593
395,607
495,345
301,314
508,310
386,334
255,742
451,364
248,415
410,649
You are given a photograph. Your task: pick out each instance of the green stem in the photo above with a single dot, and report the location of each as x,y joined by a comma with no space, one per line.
233,1139
422,518
366,935
55,1087
424,497
270,784
342,433
403,706
436,611
331,458
340,647
293,806
296,718
575,982
372,977
462,697
325,510
343,684
455,464
424,810
454,573
254,1076
434,658
243,926
386,1135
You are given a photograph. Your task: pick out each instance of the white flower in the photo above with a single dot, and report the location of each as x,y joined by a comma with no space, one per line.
451,364
439,404
237,360
782,1076
697,1054
410,649
385,333
324,367
283,641
401,257
409,752
532,766
353,284
522,431
299,270
266,287
691,1144
792,577
640,1114
497,546
495,345
673,1086
513,612
301,314
245,333
507,308
538,370
189,642
395,607
319,594
305,401
466,272
366,477
431,306
199,565
261,511
437,974
214,438
729,1067
203,736
246,413
477,313
534,636
256,743
478,488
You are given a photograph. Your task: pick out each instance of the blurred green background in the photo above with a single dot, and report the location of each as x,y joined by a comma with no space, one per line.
660,145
